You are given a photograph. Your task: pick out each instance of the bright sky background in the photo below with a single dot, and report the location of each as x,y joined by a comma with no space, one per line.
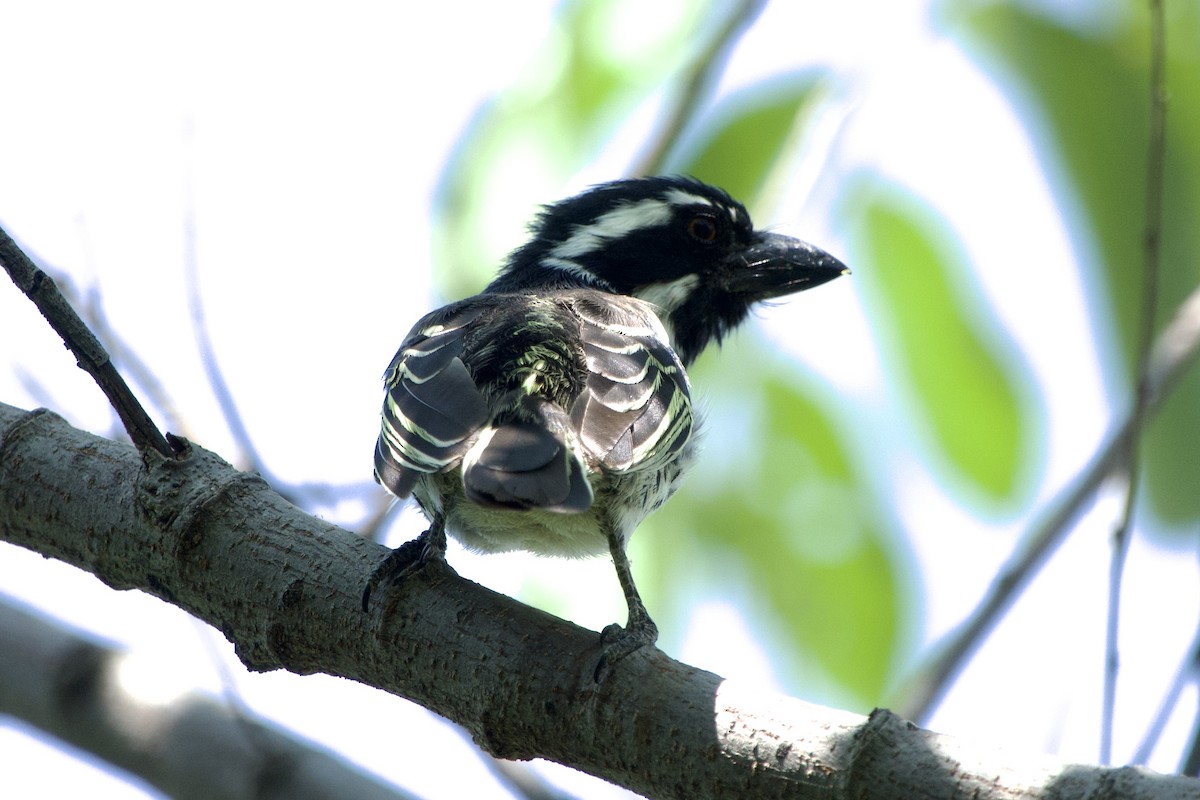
308,141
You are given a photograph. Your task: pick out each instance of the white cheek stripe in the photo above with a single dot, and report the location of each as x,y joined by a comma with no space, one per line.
613,225
668,295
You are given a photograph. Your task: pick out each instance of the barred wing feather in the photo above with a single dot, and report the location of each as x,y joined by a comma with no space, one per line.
636,410
432,407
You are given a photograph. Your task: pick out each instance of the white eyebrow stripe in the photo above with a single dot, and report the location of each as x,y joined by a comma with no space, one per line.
614,224
680,197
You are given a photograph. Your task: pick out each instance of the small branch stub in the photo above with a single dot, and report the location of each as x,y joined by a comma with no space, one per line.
89,354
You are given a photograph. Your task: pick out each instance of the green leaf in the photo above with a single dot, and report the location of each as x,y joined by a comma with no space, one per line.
944,349
840,587
748,135
591,74
1090,103
780,498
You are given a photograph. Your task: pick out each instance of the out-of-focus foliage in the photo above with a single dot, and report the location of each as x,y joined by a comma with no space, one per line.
792,504
786,492
794,509
1087,97
951,356
798,514
598,63
749,137
781,495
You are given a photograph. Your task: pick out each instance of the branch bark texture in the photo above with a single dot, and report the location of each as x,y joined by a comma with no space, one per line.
285,588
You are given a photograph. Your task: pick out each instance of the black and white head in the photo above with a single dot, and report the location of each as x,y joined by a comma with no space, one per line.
687,247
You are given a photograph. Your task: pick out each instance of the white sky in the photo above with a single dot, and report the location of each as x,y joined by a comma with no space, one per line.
310,142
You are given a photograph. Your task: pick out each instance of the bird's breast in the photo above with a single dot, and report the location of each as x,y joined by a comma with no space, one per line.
537,531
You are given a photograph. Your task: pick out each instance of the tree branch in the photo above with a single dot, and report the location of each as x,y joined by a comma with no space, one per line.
70,687
1174,351
705,68
200,335
1132,466
1187,673
285,587
88,352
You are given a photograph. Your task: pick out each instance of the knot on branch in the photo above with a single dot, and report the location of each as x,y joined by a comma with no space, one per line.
174,494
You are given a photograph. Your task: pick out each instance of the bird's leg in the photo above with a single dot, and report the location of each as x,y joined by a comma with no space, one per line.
409,557
617,642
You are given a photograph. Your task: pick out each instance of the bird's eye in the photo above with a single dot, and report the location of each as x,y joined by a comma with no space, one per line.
702,228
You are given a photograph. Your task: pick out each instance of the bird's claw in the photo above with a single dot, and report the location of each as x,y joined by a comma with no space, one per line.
616,643
397,565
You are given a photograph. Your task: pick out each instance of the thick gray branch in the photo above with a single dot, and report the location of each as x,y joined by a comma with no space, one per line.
70,686
285,587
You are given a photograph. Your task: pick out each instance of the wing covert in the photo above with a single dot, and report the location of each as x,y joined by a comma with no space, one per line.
432,406
636,409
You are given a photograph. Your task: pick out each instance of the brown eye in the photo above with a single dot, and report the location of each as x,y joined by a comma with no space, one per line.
702,228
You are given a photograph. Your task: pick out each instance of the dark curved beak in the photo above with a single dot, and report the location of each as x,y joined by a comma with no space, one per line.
776,265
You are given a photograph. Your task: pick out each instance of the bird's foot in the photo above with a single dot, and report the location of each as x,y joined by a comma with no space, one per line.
616,643
403,561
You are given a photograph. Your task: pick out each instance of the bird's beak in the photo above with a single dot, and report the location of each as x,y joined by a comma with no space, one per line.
776,265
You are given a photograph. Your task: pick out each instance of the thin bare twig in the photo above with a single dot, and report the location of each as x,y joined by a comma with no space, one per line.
90,305
1116,571
371,528
1156,153
250,459
518,777
132,365
704,70
1175,349
89,354
1191,758
521,780
1188,671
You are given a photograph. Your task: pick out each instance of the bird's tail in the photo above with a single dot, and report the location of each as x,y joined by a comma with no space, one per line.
523,465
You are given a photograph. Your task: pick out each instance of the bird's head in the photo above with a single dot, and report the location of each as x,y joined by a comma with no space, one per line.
687,247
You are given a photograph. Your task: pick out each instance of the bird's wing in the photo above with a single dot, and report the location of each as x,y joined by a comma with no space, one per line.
432,406
526,355
636,410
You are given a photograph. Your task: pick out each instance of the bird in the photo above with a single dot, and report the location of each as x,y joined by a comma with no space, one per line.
552,412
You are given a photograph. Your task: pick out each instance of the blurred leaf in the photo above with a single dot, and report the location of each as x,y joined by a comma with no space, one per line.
749,135
841,591
780,491
587,79
953,358
1091,97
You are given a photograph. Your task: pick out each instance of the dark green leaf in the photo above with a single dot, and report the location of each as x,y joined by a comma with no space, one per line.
942,346
782,500
749,135
577,90
1090,100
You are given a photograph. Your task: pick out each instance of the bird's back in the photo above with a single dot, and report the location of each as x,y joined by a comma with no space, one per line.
557,407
